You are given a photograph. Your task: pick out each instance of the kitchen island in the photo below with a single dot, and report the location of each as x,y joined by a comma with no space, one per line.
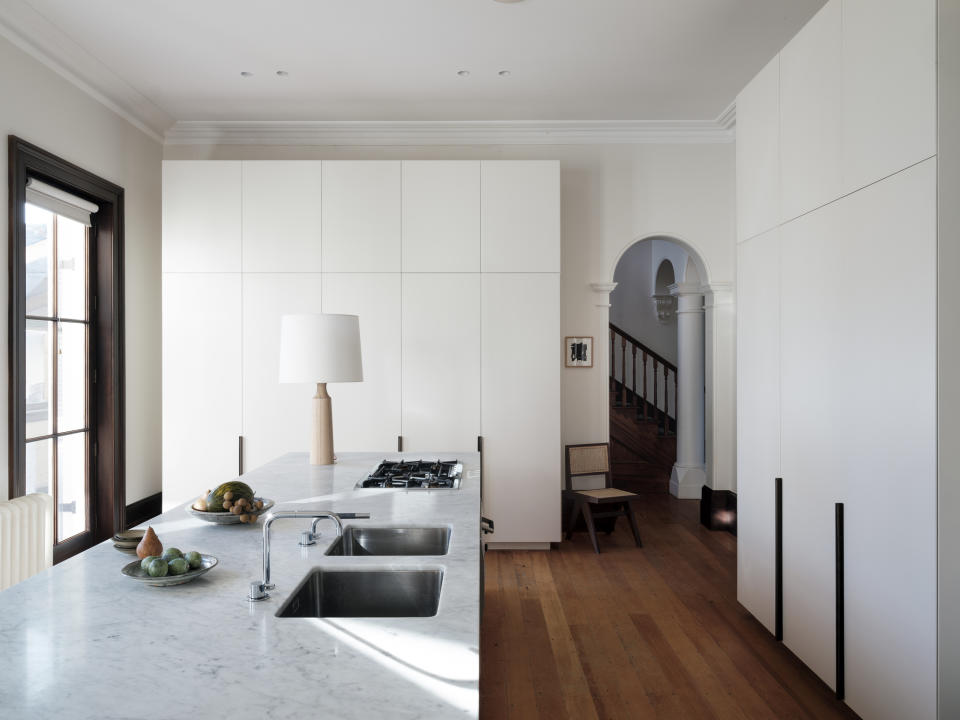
80,640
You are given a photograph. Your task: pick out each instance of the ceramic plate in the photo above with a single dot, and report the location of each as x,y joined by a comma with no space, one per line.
226,518
127,536
134,571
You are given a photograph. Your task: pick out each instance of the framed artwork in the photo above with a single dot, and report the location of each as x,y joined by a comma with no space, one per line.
578,352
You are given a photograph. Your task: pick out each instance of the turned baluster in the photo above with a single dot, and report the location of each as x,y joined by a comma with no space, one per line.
613,369
655,403
644,386
666,401
676,398
623,372
633,398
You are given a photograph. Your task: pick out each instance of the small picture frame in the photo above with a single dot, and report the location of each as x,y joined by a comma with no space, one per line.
578,352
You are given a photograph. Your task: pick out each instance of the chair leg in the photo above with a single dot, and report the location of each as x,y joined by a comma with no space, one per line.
588,517
633,524
572,519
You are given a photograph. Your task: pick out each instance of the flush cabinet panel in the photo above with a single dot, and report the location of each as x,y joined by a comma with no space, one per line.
201,216
758,422
366,415
520,216
521,406
441,362
758,153
361,216
441,216
201,383
276,417
281,216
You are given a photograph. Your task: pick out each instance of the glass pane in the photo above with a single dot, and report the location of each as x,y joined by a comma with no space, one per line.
71,377
71,485
38,376
71,268
39,259
39,462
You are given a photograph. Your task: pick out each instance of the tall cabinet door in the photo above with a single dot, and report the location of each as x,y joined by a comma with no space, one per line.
367,414
201,382
521,405
276,417
441,362
758,422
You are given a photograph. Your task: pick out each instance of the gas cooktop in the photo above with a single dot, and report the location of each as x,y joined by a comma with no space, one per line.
415,474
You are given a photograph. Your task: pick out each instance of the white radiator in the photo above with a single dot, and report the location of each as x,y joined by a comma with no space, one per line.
26,537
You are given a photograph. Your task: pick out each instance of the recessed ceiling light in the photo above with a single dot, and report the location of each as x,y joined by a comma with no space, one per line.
246,73
463,73
282,73
504,73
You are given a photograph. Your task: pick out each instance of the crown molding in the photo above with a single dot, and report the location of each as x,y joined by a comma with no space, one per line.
32,33
429,132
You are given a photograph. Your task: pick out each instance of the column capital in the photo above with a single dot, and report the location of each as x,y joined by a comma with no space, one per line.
604,290
681,289
689,298
718,294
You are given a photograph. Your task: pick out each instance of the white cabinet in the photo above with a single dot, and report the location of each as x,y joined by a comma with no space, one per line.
520,216
201,216
441,216
811,115
441,362
367,414
281,216
889,87
201,383
521,406
758,422
276,417
758,153
361,216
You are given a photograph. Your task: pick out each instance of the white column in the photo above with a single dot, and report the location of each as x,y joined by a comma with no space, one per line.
720,416
689,472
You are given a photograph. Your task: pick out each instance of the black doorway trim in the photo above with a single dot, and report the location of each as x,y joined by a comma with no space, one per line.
108,485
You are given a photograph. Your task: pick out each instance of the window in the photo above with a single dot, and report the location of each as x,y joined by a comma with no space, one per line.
65,355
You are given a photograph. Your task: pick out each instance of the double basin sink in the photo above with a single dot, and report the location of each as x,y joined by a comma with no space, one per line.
356,592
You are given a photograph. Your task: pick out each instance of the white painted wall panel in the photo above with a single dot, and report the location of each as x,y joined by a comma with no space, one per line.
441,361
281,216
367,414
889,87
811,106
520,216
521,406
758,422
758,153
441,216
201,383
201,216
361,216
277,418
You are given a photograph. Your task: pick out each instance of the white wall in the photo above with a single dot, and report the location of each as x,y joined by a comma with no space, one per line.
46,110
612,195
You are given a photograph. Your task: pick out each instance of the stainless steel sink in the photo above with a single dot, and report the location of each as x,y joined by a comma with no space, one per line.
391,541
365,593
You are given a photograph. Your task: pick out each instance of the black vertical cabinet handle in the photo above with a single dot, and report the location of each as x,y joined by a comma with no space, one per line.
399,443
838,529
240,454
778,559
480,450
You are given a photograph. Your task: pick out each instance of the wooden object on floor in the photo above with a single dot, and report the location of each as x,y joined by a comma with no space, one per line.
658,634
593,460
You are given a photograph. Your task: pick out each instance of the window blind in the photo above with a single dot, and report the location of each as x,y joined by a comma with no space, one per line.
59,201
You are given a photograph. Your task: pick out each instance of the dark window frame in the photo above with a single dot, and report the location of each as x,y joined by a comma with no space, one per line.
107,486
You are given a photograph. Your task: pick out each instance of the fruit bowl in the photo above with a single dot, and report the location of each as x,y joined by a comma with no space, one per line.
135,572
227,518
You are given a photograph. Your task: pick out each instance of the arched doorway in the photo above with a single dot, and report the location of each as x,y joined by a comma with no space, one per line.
656,344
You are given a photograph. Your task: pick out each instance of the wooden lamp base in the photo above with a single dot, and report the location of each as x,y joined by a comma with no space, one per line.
321,442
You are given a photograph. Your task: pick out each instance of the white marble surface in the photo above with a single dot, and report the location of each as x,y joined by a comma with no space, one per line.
82,641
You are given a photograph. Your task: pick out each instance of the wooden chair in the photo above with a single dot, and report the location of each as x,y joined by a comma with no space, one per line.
594,459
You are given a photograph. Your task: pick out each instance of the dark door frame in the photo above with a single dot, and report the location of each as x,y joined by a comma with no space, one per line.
107,487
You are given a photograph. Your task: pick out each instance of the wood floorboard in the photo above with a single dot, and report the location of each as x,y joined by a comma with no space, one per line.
635,633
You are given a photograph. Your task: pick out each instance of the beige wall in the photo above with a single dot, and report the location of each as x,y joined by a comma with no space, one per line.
612,195
43,108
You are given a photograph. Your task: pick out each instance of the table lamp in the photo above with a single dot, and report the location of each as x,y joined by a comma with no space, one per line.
320,349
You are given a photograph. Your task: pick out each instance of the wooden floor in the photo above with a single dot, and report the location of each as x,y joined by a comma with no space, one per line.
652,632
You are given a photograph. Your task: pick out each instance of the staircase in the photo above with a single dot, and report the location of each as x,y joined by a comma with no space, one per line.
643,401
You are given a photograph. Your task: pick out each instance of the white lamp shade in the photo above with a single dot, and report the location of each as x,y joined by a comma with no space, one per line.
320,348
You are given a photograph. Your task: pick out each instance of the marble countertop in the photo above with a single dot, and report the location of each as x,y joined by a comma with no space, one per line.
80,640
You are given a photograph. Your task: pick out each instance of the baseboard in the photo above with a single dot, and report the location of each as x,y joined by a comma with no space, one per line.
142,510
718,509
518,546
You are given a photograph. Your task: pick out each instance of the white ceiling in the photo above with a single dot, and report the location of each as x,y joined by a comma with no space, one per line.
397,60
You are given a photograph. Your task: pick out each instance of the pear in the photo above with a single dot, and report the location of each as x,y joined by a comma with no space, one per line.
150,545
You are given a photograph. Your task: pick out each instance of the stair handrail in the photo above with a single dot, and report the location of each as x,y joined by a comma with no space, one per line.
641,397
656,356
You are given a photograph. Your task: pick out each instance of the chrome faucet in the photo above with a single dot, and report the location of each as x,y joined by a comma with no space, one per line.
258,590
